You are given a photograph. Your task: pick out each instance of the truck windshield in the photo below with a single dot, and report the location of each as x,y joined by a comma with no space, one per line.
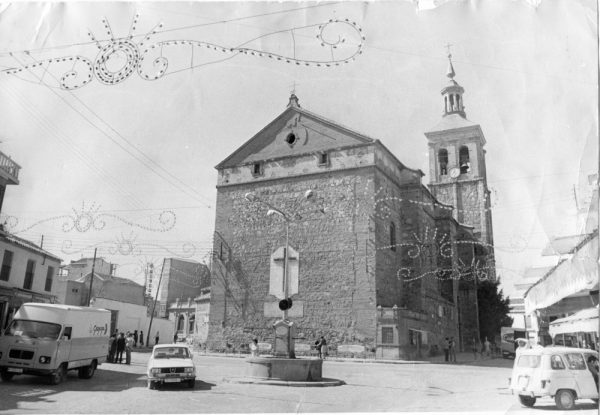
33,329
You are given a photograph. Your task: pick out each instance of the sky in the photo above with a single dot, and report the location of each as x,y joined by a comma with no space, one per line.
127,167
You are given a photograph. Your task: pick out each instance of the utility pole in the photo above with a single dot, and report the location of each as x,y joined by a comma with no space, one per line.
92,278
154,305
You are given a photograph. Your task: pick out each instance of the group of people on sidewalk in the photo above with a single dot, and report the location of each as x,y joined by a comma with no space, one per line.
449,350
119,343
479,349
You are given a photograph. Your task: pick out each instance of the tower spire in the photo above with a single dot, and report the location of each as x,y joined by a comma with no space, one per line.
453,92
450,72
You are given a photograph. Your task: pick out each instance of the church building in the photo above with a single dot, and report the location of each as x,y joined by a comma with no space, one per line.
377,262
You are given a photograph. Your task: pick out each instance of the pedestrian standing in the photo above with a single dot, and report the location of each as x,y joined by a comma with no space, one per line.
156,338
324,347
486,347
321,345
120,348
135,338
112,348
141,338
446,349
452,350
128,347
254,348
475,347
175,338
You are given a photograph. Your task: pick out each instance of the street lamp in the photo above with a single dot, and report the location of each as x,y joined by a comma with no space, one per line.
273,210
288,349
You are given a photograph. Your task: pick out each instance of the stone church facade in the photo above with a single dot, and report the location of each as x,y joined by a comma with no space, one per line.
378,257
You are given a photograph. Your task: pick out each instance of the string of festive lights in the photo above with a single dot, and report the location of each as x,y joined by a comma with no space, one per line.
85,219
151,64
127,246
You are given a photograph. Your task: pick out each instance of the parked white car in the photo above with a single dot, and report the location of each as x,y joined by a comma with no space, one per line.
563,373
171,363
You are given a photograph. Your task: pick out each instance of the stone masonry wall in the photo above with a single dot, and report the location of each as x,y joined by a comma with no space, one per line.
409,276
336,291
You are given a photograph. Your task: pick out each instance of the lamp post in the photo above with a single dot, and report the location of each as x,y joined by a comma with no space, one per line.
287,330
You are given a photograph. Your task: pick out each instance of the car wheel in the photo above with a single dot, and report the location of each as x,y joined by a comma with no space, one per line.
595,400
191,383
5,375
528,401
59,375
87,372
565,399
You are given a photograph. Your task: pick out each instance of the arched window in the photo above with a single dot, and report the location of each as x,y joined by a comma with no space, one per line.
446,104
463,159
392,236
192,324
458,102
181,323
451,102
443,160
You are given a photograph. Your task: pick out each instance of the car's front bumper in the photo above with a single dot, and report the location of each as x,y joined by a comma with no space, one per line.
172,378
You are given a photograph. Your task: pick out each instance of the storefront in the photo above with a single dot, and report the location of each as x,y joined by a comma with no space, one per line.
579,330
569,287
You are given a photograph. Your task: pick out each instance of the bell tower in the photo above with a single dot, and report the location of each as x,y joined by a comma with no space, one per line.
457,168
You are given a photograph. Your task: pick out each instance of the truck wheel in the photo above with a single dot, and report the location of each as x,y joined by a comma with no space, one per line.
6,375
59,375
528,401
151,385
565,399
87,372
191,383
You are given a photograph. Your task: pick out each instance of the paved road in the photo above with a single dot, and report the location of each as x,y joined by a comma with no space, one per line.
370,387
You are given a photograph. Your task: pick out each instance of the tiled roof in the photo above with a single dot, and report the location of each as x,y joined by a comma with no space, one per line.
28,245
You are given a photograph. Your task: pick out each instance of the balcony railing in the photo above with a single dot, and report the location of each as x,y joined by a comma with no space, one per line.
9,169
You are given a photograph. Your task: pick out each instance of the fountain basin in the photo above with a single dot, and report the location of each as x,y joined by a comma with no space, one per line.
284,369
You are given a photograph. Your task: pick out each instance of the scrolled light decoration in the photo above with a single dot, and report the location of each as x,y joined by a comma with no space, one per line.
128,246
89,218
119,58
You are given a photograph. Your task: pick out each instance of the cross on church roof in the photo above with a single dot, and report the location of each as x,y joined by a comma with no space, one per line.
450,72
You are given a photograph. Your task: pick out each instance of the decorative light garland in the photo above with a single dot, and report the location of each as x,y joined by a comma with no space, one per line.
84,219
150,63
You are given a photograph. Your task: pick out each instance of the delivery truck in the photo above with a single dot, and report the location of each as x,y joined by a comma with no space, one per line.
51,339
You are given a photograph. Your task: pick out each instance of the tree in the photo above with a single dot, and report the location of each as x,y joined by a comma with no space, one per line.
493,309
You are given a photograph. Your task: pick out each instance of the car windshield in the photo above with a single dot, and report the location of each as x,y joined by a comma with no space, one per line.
33,329
171,352
528,360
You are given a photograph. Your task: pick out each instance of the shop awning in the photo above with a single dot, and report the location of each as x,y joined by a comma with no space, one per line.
584,321
570,276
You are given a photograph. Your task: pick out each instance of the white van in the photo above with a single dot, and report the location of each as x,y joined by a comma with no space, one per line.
49,339
563,373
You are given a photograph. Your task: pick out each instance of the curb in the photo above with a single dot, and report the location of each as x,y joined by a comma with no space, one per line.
274,382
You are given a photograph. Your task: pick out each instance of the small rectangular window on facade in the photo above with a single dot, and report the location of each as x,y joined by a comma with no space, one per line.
49,277
27,284
257,169
6,265
323,159
387,335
